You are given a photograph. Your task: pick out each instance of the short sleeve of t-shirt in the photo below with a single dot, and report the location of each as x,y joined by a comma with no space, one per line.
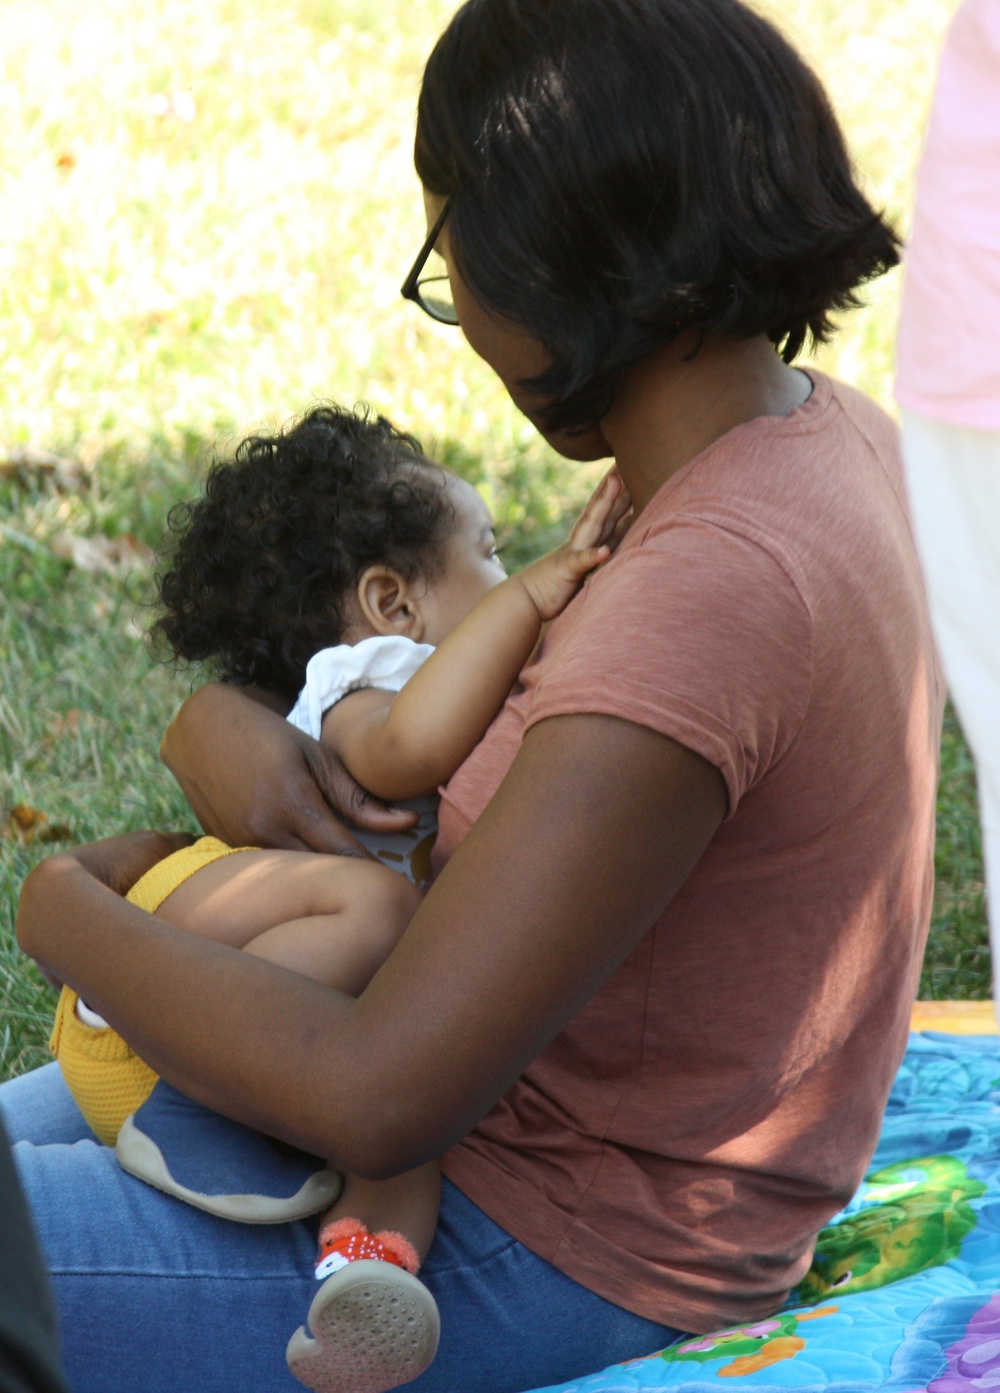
385,662
696,631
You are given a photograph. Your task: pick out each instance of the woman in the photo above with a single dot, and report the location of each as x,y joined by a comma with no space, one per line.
662,982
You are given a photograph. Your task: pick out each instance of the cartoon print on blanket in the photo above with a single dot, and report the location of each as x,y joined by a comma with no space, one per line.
963,1335
908,1274
975,1357
915,1215
912,1215
748,1347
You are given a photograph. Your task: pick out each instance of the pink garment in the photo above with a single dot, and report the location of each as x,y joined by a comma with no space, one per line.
949,335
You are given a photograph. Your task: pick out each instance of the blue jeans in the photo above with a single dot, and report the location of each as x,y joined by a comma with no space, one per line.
156,1297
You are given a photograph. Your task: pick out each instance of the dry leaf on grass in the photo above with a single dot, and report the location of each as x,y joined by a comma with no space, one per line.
25,465
102,555
65,724
25,825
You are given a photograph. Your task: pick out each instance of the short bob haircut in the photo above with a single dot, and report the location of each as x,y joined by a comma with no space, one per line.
623,171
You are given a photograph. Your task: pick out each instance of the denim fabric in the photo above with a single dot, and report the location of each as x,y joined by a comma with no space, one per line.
156,1297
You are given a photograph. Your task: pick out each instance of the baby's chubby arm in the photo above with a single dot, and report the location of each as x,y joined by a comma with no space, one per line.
402,745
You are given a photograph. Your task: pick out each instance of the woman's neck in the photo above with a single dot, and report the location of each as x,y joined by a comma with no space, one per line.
674,404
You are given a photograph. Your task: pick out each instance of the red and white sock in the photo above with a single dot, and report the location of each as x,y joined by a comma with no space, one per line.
347,1240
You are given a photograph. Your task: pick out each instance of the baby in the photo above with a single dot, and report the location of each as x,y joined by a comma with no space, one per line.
335,566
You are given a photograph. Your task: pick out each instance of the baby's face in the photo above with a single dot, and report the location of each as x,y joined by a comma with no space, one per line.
470,568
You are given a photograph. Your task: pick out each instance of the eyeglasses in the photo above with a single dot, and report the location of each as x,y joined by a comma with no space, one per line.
432,291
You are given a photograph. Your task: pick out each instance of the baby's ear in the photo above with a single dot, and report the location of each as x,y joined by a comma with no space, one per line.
388,604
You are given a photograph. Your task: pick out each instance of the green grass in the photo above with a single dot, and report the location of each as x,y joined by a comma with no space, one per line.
208,210
957,963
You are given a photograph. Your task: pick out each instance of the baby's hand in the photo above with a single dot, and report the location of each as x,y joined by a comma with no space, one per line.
553,580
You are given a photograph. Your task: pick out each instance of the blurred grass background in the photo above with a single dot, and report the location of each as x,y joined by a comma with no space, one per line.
208,208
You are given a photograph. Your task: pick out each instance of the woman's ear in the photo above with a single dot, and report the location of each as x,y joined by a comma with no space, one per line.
389,604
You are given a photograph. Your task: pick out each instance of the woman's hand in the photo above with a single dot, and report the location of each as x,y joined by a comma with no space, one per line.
254,780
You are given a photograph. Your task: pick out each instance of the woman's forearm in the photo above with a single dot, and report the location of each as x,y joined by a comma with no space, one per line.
533,912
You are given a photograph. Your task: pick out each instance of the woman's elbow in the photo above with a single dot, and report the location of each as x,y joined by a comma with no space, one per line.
32,919
381,1146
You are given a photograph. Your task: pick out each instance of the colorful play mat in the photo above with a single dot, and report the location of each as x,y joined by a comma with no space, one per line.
904,1292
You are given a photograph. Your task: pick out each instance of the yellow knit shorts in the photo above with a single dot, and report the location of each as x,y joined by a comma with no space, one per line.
105,1076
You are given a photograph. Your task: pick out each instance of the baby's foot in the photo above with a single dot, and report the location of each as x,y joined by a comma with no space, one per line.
373,1324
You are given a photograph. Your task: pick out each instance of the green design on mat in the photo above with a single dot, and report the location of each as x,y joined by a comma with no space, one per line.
917,1213
752,1347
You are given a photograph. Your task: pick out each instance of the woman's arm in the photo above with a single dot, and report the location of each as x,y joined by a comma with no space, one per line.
407,744
591,834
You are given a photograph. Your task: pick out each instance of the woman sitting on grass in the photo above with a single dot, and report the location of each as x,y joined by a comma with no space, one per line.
651,1007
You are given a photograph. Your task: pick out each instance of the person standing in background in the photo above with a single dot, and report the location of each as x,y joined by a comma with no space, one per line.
948,385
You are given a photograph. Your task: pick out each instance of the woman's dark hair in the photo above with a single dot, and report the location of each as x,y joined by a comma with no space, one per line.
256,580
622,171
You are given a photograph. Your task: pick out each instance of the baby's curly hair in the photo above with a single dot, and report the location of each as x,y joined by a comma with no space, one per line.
257,577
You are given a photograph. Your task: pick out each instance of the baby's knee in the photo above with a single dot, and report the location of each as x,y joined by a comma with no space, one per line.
384,905
394,900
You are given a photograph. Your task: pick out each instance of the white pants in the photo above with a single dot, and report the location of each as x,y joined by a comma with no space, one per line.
953,476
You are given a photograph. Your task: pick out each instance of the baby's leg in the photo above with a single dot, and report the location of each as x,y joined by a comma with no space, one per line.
372,1325
336,919
333,918
407,1204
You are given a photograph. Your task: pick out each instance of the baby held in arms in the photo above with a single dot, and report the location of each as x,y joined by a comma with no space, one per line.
334,566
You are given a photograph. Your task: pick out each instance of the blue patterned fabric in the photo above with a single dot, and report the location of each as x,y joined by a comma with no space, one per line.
904,1293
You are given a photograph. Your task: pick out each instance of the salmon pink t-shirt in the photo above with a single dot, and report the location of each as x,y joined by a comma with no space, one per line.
678,1145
